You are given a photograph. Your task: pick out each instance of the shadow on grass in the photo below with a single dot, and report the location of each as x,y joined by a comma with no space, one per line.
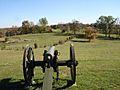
7,84
65,85
64,34
12,84
83,41
107,38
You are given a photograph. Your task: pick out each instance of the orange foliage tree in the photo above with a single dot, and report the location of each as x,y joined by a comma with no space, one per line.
90,33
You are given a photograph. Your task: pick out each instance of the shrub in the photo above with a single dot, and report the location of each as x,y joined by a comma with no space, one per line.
44,46
35,45
23,47
3,47
67,39
55,44
60,42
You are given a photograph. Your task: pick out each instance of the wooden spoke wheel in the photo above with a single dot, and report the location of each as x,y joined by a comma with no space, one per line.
73,64
28,65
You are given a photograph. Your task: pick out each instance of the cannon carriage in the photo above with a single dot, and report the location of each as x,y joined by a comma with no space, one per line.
50,60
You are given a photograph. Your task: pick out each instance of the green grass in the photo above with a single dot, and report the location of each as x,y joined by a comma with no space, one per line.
98,68
44,39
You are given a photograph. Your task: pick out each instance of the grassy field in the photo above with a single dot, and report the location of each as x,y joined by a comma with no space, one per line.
42,40
98,68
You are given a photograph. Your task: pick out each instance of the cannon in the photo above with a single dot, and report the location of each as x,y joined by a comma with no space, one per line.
50,60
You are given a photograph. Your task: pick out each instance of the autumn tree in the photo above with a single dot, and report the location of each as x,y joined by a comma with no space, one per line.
1,34
25,27
90,33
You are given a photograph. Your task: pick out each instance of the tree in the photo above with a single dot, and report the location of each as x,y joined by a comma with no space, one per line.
31,24
1,34
75,26
90,33
117,27
61,27
11,32
32,27
37,29
111,24
25,27
54,26
106,23
43,23
67,27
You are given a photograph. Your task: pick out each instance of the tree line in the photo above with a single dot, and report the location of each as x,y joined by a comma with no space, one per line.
105,24
29,27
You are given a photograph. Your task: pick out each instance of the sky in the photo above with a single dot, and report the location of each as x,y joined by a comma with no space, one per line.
13,12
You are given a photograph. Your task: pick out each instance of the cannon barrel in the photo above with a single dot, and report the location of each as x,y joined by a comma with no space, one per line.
48,80
51,51
48,56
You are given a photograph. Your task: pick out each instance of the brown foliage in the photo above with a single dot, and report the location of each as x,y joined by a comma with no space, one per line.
1,34
90,33
11,32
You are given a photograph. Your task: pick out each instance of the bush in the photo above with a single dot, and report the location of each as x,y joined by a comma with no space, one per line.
35,45
60,42
44,46
3,47
55,44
